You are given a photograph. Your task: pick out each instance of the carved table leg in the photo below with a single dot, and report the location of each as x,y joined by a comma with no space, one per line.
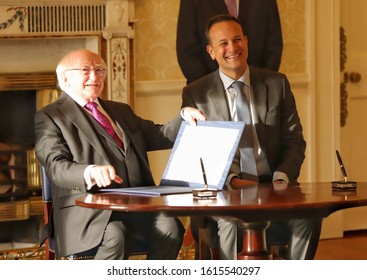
254,241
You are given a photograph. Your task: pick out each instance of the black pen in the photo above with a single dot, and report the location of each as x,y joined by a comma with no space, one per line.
342,166
203,170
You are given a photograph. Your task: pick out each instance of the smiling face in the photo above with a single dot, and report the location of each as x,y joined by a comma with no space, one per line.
229,47
83,74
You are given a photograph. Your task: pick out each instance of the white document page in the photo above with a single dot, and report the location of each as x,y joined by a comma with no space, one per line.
214,142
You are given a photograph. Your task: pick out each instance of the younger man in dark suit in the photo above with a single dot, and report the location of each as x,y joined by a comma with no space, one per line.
272,145
259,19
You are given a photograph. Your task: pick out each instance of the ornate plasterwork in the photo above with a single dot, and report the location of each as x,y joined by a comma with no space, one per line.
109,19
20,13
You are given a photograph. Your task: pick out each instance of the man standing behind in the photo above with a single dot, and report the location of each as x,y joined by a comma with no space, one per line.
86,143
258,18
272,145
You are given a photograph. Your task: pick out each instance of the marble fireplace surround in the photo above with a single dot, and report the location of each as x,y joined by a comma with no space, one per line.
34,37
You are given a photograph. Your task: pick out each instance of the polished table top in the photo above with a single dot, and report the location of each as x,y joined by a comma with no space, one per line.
255,206
261,202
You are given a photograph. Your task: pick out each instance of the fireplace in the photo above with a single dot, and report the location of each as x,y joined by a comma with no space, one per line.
21,209
21,96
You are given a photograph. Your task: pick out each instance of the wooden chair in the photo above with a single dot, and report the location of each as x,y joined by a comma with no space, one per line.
47,233
47,238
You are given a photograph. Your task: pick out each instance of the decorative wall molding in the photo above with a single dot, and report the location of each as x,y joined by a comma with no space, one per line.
53,19
119,69
20,14
66,18
166,87
108,20
169,87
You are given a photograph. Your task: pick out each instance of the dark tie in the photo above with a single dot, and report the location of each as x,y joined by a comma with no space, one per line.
246,146
232,7
104,122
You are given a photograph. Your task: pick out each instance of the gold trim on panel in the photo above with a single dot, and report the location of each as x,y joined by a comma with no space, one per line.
32,253
14,210
36,205
343,84
27,81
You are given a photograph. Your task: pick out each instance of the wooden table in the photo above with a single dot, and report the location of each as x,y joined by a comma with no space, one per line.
255,206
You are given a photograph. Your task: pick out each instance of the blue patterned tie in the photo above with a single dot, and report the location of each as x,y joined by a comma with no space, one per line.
104,122
252,163
246,146
242,106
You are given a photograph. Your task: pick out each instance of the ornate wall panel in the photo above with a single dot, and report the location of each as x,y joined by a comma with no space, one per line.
156,40
293,20
44,32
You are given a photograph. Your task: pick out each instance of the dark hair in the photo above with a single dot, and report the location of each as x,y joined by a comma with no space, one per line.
216,19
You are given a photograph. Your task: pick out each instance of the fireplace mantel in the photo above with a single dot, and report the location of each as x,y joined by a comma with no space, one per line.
35,37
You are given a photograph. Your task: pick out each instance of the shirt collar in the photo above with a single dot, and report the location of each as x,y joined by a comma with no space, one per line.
227,81
80,100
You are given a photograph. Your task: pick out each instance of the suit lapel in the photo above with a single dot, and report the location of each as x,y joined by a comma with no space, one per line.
218,6
112,110
217,99
117,117
69,108
243,10
260,94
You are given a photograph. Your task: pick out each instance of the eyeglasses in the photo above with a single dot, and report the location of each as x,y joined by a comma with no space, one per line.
98,71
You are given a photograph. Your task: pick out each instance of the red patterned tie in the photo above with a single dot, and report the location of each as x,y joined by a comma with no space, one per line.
104,122
232,7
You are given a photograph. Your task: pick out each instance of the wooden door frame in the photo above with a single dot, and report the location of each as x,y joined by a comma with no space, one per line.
327,88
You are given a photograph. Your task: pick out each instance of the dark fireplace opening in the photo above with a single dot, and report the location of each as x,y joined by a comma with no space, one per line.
17,110
17,137
21,207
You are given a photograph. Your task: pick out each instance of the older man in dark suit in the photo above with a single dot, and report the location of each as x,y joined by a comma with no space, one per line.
86,143
272,145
